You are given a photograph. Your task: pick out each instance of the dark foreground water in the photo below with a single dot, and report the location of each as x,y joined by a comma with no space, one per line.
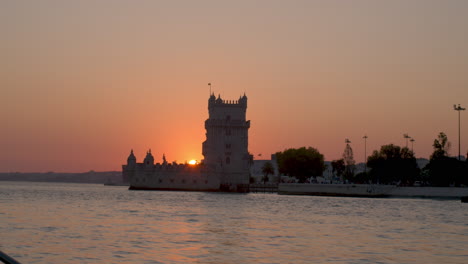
80,223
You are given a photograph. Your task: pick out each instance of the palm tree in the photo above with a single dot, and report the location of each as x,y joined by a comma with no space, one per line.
267,169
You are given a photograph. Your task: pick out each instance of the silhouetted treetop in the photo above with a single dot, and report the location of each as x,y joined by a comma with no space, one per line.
441,146
301,163
443,170
393,164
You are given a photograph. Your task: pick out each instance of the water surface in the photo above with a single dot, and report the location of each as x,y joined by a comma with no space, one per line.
84,223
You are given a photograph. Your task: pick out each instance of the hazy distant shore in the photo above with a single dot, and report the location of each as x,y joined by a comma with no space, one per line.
84,177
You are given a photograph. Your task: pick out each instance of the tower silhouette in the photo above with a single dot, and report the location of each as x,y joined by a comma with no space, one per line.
226,146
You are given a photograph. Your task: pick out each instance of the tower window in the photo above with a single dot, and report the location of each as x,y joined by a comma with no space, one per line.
228,118
228,160
228,132
228,146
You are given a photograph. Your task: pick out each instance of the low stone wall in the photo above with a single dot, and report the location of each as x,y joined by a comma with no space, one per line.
265,188
430,192
353,190
371,190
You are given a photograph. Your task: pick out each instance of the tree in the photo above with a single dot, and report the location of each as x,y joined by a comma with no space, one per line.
441,146
338,167
349,162
446,171
267,169
443,170
301,163
392,164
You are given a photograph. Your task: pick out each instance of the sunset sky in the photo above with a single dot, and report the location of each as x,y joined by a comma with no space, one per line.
83,82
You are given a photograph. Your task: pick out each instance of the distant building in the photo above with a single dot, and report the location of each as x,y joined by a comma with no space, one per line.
226,157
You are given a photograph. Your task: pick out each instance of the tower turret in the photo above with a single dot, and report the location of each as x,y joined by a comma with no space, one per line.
212,99
149,159
131,160
243,100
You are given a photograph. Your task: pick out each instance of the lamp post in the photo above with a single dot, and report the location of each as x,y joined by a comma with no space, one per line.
412,145
365,153
406,137
459,108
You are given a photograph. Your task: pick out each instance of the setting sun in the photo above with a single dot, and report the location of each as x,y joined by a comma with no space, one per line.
192,162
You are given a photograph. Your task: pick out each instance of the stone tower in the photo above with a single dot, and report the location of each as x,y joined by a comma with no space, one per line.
225,149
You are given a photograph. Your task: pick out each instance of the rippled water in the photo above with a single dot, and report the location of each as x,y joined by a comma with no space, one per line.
81,223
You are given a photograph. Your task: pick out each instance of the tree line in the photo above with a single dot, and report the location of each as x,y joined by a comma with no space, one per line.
391,164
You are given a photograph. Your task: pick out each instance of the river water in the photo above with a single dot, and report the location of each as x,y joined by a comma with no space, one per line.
85,223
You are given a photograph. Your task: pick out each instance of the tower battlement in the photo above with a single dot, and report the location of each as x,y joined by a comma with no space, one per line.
228,110
213,101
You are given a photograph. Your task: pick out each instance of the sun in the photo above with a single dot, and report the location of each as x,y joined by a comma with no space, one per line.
192,162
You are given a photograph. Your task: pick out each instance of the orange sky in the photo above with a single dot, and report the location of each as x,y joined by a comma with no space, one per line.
83,82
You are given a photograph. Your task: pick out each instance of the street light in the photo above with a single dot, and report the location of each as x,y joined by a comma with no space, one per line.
406,137
365,152
459,108
412,145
